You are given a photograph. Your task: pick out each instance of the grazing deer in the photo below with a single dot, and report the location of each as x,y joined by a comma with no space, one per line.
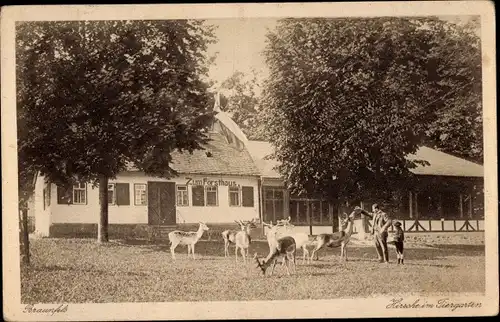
284,228
340,238
189,238
242,239
284,247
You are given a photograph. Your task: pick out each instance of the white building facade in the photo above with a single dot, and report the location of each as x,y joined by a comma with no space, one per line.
217,185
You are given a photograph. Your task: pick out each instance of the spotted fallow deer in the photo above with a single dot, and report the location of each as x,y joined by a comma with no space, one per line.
189,238
337,239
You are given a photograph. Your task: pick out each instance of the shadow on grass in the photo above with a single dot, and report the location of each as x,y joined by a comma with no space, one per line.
214,249
460,247
326,265
331,272
429,265
139,242
57,268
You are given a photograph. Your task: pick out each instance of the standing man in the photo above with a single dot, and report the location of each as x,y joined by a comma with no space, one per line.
381,223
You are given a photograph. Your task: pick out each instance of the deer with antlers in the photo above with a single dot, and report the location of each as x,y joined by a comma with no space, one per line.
241,239
189,238
285,228
284,247
337,239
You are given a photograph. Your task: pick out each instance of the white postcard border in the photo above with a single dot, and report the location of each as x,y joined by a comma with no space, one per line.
371,307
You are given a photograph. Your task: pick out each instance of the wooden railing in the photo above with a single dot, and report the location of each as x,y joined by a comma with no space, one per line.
443,225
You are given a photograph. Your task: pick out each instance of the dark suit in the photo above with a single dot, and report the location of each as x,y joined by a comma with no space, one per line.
381,223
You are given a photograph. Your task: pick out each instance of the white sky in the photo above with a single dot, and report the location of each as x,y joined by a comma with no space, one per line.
241,42
240,46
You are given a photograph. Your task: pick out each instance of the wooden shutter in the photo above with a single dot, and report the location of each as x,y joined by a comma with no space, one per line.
64,196
122,192
198,195
44,198
49,194
247,196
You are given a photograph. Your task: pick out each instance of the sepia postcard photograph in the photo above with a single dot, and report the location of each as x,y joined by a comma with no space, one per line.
249,161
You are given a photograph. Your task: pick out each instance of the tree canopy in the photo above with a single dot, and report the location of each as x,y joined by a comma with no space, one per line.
348,99
458,127
95,96
241,101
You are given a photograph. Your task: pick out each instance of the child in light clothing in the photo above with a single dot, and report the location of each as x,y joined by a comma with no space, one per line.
399,237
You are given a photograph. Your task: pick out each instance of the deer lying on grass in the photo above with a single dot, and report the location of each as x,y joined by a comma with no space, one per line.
189,238
337,239
284,228
283,247
240,238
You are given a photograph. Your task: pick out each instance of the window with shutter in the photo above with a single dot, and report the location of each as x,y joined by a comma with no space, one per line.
247,197
182,195
80,194
140,193
234,196
198,195
211,196
122,192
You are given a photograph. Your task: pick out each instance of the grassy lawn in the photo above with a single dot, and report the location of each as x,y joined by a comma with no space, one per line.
80,271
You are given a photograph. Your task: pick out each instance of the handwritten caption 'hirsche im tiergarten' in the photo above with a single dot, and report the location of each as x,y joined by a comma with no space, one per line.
445,303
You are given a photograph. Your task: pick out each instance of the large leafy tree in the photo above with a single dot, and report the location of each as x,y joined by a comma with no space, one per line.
94,96
241,101
348,99
458,128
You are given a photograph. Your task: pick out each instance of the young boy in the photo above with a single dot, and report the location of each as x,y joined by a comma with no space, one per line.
399,237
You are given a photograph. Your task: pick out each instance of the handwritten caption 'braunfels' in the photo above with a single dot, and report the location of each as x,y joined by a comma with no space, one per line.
30,308
445,303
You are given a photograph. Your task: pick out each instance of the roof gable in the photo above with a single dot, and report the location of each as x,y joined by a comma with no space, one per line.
444,164
259,150
224,159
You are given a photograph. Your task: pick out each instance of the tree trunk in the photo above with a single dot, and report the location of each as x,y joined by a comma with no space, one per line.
25,237
102,228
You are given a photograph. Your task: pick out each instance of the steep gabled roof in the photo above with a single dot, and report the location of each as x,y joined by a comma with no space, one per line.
225,119
224,160
441,164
